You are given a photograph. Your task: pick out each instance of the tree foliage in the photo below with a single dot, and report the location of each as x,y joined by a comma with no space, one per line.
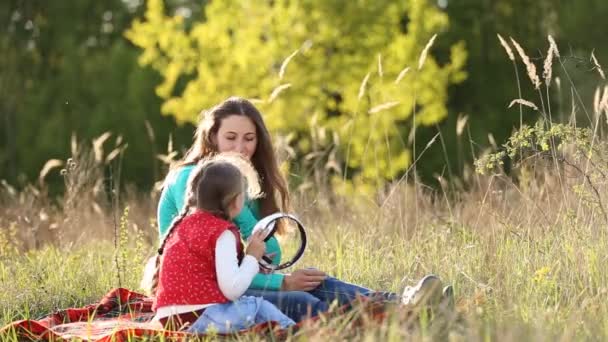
67,69
317,54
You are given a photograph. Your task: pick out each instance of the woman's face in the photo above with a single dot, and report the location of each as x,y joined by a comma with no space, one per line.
237,133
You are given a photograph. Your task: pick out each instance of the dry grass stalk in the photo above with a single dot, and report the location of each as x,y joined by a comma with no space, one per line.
412,135
597,65
597,100
530,67
553,45
115,153
547,66
402,74
604,102
285,63
426,51
98,146
461,124
492,141
383,106
276,91
363,86
507,48
149,130
523,103
48,166
380,71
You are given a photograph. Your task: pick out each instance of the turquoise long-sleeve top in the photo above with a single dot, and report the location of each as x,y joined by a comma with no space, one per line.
172,202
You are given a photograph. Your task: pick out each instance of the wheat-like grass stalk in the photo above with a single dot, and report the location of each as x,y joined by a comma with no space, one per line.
507,48
383,106
492,141
285,63
149,131
547,65
363,86
426,51
553,45
276,91
530,67
597,65
523,103
48,166
509,52
461,123
402,74
115,153
604,102
597,100
380,70
98,146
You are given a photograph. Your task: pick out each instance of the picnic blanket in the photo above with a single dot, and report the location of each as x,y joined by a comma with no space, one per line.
123,314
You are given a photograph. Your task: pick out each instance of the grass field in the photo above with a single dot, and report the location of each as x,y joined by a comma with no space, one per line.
525,264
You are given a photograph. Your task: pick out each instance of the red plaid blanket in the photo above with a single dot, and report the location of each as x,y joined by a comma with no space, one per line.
122,314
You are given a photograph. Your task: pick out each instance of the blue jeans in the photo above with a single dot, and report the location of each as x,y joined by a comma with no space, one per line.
299,304
238,315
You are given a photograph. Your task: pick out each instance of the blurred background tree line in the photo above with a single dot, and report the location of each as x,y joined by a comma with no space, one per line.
143,70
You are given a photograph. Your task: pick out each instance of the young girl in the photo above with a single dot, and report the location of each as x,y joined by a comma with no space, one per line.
203,270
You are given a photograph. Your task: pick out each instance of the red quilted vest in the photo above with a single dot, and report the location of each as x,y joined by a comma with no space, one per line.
187,273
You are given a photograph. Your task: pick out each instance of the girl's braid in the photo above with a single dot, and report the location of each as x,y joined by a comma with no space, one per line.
190,203
176,221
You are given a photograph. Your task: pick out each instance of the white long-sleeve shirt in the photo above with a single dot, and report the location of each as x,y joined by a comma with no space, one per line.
233,279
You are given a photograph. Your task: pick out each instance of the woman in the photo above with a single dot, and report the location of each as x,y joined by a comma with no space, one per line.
235,125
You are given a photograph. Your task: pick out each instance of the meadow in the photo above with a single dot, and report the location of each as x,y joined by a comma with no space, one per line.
524,249
526,261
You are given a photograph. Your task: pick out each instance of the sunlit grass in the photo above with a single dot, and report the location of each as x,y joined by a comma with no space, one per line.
511,281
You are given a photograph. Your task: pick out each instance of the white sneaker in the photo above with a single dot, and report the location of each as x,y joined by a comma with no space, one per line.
427,292
447,299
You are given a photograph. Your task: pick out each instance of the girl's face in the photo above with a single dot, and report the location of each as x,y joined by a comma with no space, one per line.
235,207
237,133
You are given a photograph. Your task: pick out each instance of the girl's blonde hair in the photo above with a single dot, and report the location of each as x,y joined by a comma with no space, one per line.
213,184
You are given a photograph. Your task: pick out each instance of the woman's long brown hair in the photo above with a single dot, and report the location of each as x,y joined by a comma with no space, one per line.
273,183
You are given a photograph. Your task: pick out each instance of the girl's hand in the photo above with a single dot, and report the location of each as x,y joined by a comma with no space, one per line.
270,256
303,280
256,246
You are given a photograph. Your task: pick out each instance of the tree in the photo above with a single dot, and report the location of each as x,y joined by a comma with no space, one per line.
491,83
68,69
242,47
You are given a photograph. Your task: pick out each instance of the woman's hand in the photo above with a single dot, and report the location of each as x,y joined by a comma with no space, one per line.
256,246
303,280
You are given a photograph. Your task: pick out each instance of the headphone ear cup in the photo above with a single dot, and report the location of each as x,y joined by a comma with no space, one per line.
268,224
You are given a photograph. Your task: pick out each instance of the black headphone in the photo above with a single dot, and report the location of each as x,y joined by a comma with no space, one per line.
268,224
